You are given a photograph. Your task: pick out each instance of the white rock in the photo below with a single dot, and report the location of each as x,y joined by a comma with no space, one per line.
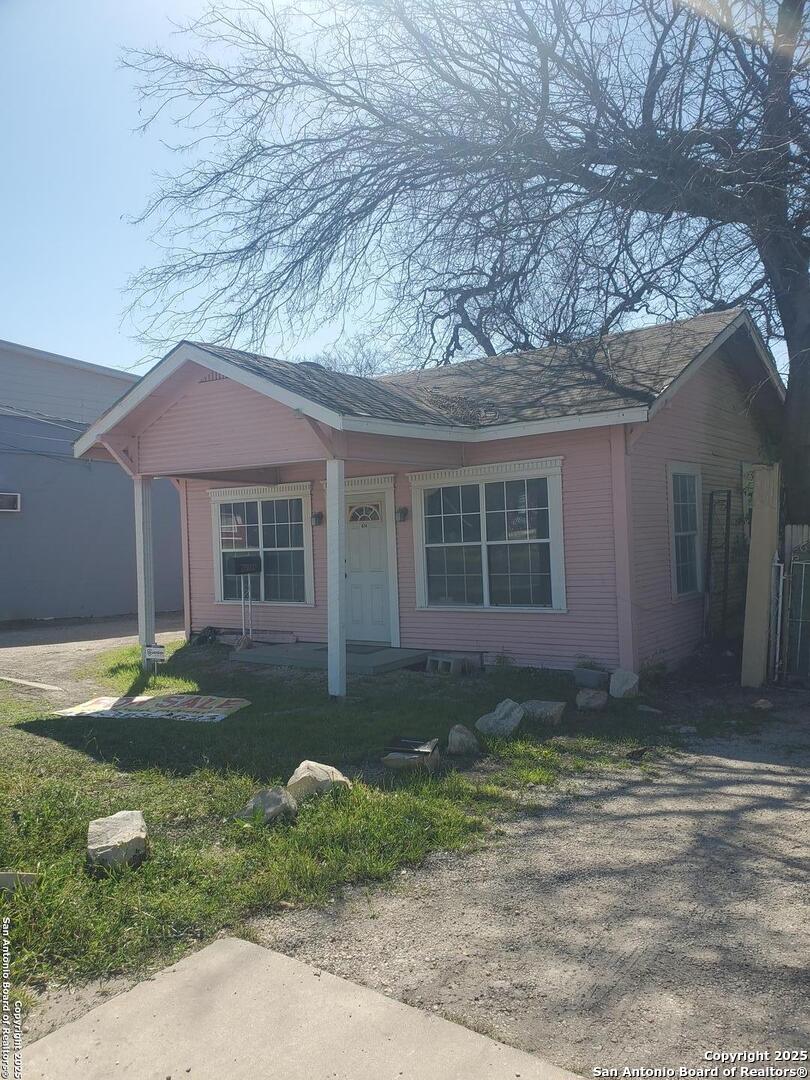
762,703
461,741
271,804
592,699
623,684
312,778
549,711
649,710
118,840
504,720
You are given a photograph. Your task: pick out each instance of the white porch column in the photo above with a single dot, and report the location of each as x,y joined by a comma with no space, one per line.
144,562
336,575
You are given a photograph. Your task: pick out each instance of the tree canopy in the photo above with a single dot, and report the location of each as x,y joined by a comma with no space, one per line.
490,174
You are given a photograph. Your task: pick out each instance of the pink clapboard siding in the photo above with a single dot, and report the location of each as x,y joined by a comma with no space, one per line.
219,424
587,629
709,422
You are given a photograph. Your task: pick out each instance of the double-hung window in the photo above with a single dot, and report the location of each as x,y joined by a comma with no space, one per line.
490,536
686,514
274,525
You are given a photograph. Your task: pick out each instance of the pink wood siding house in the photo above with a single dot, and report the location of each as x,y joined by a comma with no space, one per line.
546,506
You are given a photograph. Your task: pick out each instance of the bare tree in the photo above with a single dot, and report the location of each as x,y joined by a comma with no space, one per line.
360,354
496,173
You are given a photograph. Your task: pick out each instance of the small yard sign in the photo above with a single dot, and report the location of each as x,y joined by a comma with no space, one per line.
156,653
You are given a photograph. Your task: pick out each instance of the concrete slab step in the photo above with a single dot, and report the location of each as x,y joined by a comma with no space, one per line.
235,1010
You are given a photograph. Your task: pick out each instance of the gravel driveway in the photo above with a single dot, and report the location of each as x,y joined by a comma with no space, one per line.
637,922
52,652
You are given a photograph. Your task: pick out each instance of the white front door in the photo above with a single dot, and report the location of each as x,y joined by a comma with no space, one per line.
367,570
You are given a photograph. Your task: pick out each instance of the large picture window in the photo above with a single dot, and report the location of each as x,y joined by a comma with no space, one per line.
491,542
686,513
275,528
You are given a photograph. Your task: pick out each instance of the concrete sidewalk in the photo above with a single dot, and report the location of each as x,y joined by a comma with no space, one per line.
235,1011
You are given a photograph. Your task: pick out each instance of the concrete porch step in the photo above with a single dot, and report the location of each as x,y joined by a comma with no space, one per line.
312,655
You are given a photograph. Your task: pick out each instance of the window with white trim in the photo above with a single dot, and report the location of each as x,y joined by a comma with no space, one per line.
491,539
686,514
274,529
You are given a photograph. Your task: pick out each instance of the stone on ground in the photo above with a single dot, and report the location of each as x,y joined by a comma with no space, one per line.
461,741
592,699
119,840
551,712
649,710
623,684
404,759
762,703
591,678
313,778
271,805
503,720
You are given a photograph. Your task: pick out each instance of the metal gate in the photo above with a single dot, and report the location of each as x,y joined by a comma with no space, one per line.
797,655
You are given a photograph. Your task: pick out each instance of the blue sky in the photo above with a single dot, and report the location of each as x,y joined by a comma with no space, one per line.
73,171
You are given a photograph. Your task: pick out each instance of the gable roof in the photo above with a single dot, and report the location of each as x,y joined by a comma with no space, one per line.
621,378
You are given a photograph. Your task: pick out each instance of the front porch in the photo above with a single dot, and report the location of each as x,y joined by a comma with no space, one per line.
313,656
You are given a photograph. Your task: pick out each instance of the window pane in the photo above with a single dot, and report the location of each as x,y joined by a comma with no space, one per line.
433,501
252,536
516,525
540,558
496,526
452,528
454,575
251,513
296,510
433,530
519,574
451,500
296,536
470,499
537,493
686,563
282,536
538,524
268,511
516,495
541,590
495,499
519,559
282,510
470,528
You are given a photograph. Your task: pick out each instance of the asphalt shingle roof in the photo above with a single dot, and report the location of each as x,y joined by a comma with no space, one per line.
590,376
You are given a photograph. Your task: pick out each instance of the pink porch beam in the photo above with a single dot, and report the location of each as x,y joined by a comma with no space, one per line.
336,575
622,540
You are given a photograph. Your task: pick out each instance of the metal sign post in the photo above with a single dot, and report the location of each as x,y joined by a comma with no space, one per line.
244,566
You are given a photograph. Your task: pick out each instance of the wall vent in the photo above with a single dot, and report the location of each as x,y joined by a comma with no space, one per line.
212,376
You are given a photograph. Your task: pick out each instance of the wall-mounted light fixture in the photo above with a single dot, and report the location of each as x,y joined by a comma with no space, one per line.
402,513
317,518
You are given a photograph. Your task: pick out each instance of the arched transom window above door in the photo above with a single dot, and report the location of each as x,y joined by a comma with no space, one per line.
364,512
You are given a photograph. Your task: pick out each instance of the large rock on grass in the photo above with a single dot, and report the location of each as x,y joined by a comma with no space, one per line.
505,719
461,742
550,712
119,840
592,700
270,805
623,684
313,778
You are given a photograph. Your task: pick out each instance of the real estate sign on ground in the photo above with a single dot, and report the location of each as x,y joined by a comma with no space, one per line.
199,708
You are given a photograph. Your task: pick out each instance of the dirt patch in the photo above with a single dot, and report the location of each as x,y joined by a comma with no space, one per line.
634,922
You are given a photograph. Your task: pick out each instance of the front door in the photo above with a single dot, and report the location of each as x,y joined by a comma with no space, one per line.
367,570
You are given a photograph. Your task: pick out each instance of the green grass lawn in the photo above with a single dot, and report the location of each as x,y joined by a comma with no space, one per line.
207,871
